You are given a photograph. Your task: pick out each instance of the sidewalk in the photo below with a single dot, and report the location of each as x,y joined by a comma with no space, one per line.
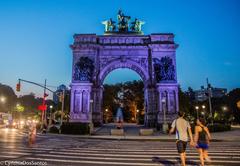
233,135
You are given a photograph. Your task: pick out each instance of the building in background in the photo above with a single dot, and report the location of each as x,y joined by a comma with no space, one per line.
202,94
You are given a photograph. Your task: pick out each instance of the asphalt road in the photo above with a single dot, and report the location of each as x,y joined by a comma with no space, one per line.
70,150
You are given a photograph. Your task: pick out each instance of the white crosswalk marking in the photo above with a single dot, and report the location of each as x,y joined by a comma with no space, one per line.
56,150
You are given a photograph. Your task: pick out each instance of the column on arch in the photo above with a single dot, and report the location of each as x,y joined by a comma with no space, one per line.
80,102
97,113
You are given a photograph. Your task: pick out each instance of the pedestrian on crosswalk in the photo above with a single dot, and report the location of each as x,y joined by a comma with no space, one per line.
183,129
32,134
201,138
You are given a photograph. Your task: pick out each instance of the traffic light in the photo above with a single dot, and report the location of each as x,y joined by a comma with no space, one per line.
18,87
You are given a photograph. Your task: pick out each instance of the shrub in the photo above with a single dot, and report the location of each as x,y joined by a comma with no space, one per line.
75,128
97,124
53,129
218,127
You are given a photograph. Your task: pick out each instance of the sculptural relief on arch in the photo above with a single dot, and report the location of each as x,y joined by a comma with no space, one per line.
123,45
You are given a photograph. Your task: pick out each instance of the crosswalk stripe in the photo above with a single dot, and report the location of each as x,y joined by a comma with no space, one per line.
120,150
128,158
128,155
116,163
95,162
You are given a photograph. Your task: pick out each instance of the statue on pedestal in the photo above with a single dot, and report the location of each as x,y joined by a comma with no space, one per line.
123,24
122,21
109,25
137,25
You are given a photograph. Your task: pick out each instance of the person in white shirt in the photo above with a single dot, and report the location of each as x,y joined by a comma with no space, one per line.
183,131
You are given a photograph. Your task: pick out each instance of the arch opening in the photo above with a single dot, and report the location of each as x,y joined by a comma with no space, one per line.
123,88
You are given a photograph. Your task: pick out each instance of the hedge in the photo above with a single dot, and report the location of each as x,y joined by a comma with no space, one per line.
53,129
75,128
218,127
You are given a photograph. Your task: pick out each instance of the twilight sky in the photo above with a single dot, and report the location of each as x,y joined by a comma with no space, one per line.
35,36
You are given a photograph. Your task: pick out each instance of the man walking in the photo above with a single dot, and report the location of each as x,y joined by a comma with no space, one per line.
183,130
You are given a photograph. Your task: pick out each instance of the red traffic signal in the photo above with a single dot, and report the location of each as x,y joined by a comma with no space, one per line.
18,87
42,107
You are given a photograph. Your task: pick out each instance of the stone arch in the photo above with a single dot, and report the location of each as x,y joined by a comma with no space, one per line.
116,64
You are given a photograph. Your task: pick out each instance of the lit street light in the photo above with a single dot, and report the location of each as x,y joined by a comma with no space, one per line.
136,115
50,115
106,115
197,111
3,99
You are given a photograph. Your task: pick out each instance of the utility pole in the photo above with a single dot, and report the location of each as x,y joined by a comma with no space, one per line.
63,100
209,100
44,115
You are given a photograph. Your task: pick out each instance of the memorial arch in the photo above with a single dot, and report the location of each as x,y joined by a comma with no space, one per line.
152,56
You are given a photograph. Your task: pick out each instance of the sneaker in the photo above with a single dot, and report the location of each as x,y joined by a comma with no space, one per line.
208,159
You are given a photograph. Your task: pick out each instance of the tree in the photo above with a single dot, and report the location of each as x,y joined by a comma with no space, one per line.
130,94
233,99
185,104
10,98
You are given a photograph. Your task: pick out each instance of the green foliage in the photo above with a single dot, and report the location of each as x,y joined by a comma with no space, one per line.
8,93
185,104
75,128
131,94
233,98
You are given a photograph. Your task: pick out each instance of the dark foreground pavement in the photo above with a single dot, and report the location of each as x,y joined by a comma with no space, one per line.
70,150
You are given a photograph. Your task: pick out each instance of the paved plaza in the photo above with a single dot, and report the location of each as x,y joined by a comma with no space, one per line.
52,149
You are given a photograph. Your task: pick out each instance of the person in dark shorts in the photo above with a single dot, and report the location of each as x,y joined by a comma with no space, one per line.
183,129
202,137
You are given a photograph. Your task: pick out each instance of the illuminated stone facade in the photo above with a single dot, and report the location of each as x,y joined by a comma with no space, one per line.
152,56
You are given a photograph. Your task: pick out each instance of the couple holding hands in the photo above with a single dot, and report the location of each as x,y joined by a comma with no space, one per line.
200,140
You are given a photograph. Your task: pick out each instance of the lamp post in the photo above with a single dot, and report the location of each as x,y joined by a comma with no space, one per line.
90,117
137,116
197,108
165,125
50,115
203,112
106,117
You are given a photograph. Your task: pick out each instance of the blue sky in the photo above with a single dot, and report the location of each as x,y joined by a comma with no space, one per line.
35,36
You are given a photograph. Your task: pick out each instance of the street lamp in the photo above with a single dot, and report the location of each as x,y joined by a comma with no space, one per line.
136,117
197,108
224,108
165,125
50,114
3,99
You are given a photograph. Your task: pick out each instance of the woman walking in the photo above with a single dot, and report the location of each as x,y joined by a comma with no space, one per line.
202,138
32,134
